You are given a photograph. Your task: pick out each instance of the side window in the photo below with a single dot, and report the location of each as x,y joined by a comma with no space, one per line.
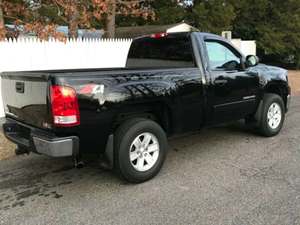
221,57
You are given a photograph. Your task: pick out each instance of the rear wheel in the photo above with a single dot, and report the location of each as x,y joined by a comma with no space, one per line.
140,150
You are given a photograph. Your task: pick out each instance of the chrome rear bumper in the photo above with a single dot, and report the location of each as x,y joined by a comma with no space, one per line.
38,141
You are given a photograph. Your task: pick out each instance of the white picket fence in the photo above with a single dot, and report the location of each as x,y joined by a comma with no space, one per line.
32,54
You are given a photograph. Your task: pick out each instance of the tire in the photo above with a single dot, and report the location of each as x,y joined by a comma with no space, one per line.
272,108
131,141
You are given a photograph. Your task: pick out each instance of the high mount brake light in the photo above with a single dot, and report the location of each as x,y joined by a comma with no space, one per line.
64,105
159,35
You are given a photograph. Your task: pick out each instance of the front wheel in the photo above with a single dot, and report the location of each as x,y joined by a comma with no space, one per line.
272,115
140,150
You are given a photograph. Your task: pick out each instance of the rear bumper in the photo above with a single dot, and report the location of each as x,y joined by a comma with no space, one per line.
39,141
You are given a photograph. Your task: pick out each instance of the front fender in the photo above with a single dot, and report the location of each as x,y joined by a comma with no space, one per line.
271,75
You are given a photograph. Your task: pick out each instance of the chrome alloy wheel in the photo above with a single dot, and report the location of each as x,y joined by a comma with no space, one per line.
274,115
144,152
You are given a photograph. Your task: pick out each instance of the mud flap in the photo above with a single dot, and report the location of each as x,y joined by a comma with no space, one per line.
109,152
258,113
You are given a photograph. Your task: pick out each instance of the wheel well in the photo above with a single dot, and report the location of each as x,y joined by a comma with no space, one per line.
159,113
280,90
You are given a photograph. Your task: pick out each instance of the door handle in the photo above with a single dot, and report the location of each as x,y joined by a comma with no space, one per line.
221,82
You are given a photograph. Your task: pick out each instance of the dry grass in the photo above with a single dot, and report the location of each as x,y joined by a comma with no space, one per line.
294,80
7,149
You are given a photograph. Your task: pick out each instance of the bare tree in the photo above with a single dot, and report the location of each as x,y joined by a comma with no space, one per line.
109,9
110,22
2,25
75,13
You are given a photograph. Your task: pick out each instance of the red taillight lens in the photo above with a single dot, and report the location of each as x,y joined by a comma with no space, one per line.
64,104
159,35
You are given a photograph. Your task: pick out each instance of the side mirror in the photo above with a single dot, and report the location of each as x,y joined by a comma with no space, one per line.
252,60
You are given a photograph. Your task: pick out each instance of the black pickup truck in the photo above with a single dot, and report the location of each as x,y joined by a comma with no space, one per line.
173,83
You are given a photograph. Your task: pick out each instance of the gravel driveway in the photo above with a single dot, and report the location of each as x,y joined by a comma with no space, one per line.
224,175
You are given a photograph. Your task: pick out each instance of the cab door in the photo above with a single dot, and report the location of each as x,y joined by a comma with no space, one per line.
232,93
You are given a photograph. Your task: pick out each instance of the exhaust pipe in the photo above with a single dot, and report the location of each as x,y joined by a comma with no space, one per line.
21,151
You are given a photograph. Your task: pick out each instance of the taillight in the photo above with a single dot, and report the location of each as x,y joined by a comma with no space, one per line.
159,35
64,105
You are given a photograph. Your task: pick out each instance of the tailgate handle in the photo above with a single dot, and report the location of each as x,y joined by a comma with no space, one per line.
20,87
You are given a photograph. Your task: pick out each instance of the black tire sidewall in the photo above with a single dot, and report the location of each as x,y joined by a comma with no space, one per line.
125,138
269,99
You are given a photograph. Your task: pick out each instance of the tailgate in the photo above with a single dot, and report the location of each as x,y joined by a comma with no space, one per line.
25,98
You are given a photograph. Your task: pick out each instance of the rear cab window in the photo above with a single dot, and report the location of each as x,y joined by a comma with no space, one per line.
170,51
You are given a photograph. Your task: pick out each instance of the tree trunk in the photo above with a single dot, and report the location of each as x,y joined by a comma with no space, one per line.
2,27
73,25
110,26
297,59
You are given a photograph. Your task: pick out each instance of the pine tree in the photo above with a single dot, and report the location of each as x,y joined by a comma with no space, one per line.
211,16
275,25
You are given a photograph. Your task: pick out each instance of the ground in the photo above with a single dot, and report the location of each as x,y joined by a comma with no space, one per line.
294,80
223,175
6,148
